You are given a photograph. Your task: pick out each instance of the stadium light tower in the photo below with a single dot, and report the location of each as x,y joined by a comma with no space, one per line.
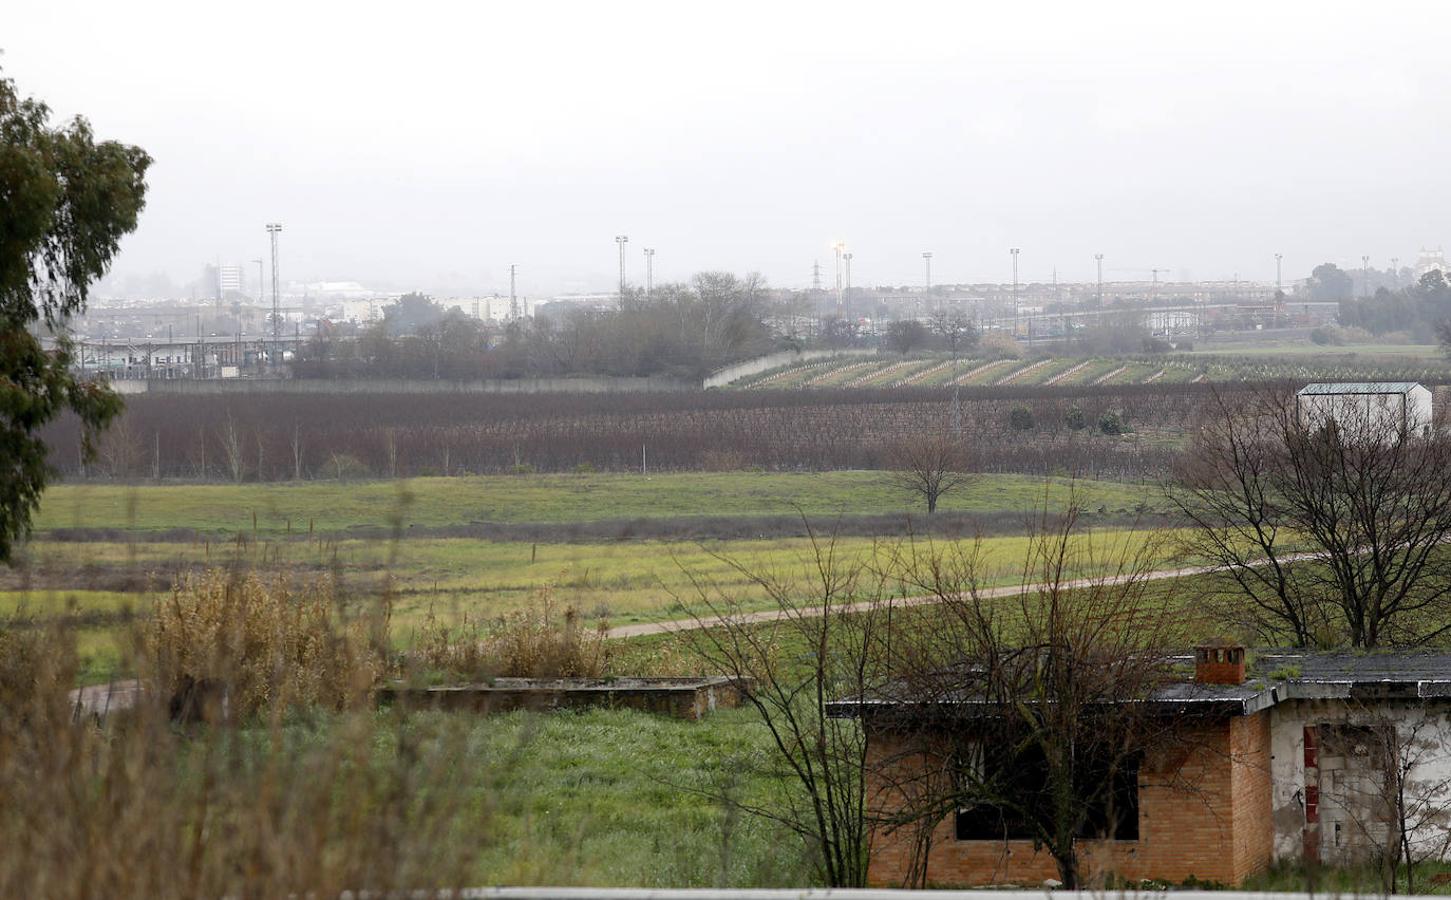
927,265
1098,258
838,247
649,271
273,230
846,297
621,240
1014,252
1279,282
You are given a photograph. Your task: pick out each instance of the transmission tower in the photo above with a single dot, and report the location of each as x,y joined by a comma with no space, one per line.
816,275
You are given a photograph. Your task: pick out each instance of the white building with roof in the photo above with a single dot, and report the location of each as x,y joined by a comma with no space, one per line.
1366,407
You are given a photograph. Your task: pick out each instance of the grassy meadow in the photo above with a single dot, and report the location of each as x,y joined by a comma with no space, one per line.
276,509
102,552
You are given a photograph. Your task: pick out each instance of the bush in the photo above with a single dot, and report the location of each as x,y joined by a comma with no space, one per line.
1075,418
999,346
346,467
1112,423
540,641
229,646
1021,419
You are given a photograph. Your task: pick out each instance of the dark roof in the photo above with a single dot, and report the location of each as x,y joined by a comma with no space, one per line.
1277,676
1360,387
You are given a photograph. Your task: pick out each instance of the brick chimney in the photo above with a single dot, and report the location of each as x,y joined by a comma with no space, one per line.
1219,664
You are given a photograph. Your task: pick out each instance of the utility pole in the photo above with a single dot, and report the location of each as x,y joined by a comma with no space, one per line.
927,263
1279,282
513,297
1365,276
621,240
649,271
274,229
1098,258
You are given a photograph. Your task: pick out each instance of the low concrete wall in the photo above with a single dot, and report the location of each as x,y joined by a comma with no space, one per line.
729,374
682,698
592,385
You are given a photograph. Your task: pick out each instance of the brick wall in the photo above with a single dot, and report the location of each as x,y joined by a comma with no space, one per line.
1204,812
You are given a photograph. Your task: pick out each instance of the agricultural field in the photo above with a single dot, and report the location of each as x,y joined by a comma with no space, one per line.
103,552
1214,363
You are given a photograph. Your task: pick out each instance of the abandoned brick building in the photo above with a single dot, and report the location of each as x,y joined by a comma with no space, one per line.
1294,755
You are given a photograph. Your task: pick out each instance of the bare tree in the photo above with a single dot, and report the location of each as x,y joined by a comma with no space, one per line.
121,448
928,465
232,448
954,327
1030,716
819,640
1333,529
296,451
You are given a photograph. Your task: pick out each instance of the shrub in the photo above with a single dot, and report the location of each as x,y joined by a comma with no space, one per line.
1076,418
539,641
542,642
1021,419
999,346
252,645
1112,423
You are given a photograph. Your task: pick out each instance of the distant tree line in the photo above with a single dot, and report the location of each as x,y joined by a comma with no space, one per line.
1422,308
684,330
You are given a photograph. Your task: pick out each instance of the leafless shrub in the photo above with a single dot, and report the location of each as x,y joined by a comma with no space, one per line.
256,645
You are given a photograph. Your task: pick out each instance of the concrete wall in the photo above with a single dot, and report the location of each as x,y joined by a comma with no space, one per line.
730,374
1425,734
592,385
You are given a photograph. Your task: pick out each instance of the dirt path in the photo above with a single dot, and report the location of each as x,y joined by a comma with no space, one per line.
100,699
771,615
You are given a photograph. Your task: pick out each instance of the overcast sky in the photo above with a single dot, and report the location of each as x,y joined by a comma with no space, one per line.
431,144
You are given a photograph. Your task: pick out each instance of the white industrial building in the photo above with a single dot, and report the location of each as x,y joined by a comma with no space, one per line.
1368,407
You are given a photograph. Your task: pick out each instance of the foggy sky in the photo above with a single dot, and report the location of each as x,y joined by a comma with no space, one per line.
431,144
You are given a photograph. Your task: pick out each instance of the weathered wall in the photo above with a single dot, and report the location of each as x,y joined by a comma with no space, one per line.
1425,732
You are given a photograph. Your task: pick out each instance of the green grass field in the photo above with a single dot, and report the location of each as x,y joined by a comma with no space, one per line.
622,583
331,507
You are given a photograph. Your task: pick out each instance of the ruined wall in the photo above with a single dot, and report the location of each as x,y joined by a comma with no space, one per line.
1424,738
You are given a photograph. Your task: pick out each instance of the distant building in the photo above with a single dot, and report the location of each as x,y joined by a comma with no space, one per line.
1432,261
230,280
1371,408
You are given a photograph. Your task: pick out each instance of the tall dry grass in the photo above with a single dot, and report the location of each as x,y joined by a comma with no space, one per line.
298,790
255,644
543,640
